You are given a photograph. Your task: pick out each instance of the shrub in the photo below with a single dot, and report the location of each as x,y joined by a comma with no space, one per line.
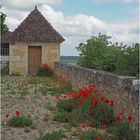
93,135
45,70
63,105
124,131
20,121
55,135
61,117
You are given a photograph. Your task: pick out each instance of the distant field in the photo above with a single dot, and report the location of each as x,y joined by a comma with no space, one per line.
69,59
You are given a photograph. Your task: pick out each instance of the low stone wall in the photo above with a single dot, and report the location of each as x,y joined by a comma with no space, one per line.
124,90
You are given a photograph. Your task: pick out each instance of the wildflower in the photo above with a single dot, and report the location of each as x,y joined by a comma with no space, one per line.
129,117
90,124
104,126
121,113
91,111
106,101
17,113
95,102
83,126
101,109
111,103
65,96
118,118
70,103
99,138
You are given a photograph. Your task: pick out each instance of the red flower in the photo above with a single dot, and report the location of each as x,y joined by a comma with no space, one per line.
65,96
102,98
104,126
99,138
91,111
70,103
101,109
81,102
111,103
93,98
106,101
118,118
121,113
6,115
90,124
95,102
83,126
129,117
17,113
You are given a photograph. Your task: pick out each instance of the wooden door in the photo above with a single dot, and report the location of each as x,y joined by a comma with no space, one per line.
34,59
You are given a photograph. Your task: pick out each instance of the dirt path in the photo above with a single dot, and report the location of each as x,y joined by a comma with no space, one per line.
23,94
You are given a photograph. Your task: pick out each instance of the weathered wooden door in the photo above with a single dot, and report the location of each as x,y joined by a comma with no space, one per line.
34,59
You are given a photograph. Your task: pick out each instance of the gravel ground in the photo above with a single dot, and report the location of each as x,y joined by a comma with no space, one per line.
20,94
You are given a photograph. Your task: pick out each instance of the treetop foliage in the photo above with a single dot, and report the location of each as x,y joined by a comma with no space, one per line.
99,53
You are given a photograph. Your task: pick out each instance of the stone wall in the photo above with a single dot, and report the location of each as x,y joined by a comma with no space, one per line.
19,56
123,90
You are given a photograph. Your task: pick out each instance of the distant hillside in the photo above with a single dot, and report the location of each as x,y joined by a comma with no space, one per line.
69,59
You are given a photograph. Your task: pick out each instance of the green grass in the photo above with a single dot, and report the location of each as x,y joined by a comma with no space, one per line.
20,121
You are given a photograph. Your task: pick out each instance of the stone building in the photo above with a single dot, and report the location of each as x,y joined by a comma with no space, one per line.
32,43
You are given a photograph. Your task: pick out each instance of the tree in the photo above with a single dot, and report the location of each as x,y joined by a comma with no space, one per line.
99,53
4,27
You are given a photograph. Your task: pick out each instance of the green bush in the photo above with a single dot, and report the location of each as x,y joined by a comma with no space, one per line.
61,117
124,131
45,70
63,105
20,121
92,135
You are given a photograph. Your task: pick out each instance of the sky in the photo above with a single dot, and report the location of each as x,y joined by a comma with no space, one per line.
78,20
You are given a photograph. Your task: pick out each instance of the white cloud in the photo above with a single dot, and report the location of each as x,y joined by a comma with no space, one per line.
80,27
19,4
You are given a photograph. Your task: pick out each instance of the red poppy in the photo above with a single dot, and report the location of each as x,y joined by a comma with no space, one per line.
104,126
17,113
121,113
129,117
106,101
83,126
65,96
111,103
90,124
99,138
70,103
81,102
118,118
91,111
101,109
95,102
102,98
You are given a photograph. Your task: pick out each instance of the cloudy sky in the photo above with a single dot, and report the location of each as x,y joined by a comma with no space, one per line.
78,20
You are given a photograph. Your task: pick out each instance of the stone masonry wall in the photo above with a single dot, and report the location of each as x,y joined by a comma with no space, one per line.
123,90
19,56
